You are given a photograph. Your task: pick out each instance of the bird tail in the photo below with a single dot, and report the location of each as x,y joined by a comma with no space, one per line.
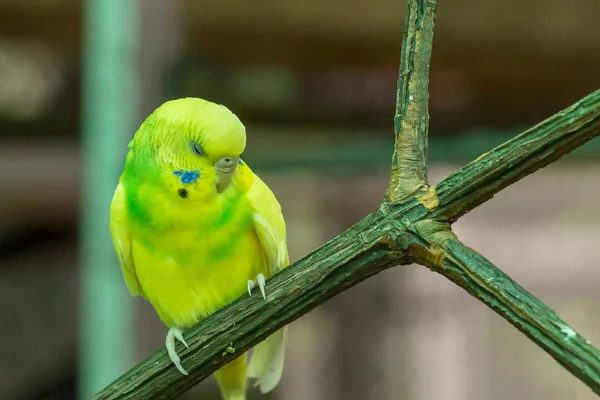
266,361
232,379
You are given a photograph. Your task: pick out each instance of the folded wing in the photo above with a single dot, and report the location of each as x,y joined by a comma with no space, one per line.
266,363
121,236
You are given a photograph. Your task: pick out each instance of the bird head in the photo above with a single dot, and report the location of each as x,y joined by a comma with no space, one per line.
192,145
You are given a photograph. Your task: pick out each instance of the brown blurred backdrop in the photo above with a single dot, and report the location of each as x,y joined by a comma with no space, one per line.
314,83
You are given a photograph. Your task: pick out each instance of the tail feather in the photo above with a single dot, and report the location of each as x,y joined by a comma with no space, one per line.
266,362
232,379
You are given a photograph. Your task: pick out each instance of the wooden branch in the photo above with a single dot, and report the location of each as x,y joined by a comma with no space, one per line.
411,120
442,252
411,226
535,148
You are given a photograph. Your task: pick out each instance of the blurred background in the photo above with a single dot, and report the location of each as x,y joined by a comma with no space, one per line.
314,82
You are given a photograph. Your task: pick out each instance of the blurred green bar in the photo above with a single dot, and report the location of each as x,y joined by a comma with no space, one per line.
109,114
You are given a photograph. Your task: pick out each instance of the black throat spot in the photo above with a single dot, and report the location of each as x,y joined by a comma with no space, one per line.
183,193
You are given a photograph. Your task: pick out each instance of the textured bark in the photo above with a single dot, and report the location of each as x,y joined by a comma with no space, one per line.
412,225
411,120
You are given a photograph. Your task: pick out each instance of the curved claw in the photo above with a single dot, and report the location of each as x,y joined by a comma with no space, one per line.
260,278
250,286
175,333
260,282
179,336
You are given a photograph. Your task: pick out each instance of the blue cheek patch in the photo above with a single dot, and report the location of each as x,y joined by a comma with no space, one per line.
187,177
240,162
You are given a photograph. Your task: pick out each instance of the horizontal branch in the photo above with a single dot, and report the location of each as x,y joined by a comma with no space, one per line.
411,119
442,252
535,148
362,251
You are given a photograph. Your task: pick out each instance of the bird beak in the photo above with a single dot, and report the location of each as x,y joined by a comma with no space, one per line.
225,167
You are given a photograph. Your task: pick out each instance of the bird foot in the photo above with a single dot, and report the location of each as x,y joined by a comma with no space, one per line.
175,333
260,282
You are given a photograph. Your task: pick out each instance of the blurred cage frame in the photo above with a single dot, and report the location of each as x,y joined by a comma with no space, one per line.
387,337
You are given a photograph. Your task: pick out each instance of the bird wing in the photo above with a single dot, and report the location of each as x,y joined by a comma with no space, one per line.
121,235
268,224
266,363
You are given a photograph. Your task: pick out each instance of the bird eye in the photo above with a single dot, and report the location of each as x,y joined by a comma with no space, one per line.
197,149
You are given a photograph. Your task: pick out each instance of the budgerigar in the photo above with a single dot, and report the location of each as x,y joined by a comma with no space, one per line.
194,228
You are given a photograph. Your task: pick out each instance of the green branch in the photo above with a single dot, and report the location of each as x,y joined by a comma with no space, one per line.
411,226
411,120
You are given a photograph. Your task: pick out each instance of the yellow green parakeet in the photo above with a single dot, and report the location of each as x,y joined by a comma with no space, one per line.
194,228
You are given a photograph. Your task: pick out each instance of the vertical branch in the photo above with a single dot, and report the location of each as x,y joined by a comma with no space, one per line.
411,119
